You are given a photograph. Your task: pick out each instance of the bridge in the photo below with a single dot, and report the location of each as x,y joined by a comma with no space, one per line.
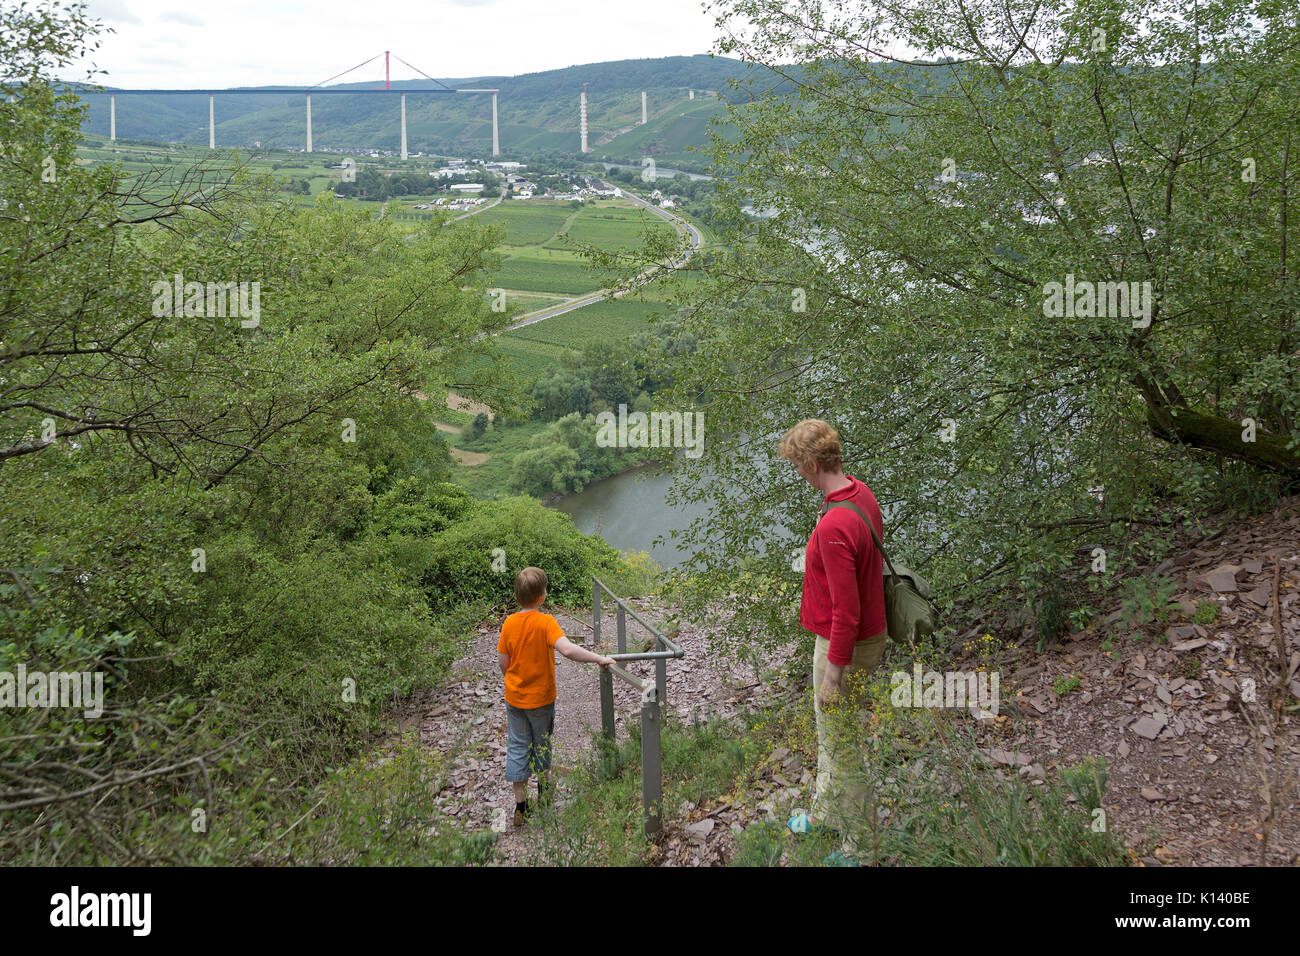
318,90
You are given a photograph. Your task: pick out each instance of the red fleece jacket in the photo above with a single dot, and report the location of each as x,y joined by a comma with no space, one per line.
843,584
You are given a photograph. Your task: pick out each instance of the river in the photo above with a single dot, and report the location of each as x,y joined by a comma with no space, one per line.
630,510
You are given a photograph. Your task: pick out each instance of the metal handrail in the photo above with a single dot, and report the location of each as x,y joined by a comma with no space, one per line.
653,697
601,586
642,685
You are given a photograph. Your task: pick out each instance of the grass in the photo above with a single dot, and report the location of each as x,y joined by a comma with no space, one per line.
610,228
501,445
604,826
937,801
528,223
380,811
545,270
1064,685
1207,612
603,321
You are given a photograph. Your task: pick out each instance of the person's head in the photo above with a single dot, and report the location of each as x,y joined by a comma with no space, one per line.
813,447
530,587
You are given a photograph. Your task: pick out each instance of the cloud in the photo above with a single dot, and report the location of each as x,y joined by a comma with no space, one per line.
111,11
178,16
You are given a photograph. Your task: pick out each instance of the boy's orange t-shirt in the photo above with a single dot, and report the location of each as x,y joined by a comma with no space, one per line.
529,638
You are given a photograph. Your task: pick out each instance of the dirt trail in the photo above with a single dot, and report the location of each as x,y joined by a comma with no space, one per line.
1199,772
467,715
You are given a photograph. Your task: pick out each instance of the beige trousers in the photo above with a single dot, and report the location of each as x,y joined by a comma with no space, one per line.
842,799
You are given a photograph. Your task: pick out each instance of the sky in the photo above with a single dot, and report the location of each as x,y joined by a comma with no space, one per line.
186,44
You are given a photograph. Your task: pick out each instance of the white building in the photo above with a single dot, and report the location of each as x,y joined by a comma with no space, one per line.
466,187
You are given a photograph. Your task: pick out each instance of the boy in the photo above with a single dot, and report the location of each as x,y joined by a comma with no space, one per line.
526,659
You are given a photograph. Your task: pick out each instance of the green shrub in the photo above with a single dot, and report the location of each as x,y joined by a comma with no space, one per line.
1146,599
413,507
460,561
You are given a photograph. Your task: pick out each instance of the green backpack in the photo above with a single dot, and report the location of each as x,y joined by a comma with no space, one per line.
909,612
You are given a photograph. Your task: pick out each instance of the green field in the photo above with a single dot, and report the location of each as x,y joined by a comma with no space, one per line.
612,228
528,222
540,266
546,270
163,167
604,320
540,241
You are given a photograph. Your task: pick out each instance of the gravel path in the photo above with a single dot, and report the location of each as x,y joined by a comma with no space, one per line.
466,718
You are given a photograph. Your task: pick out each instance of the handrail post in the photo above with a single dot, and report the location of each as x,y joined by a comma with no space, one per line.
654,698
609,749
661,675
651,767
607,703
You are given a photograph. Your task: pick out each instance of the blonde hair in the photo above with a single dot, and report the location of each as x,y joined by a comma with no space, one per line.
530,583
812,441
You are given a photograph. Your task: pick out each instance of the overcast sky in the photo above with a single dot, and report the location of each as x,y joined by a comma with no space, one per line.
179,44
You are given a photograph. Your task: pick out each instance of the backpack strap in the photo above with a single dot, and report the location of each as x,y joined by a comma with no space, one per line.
870,527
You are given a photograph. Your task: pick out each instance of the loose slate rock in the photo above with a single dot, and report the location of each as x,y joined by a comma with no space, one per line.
699,831
1222,579
1147,727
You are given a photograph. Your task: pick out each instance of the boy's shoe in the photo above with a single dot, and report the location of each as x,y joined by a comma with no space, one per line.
521,811
801,823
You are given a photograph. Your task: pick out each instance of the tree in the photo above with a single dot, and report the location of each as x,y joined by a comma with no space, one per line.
923,211
612,374
216,500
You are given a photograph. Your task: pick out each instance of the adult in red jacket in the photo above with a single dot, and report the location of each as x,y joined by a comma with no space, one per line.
844,605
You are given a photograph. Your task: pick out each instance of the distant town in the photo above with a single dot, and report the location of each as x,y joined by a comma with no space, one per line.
481,179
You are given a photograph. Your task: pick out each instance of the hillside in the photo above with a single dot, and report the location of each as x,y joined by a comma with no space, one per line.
1196,771
538,112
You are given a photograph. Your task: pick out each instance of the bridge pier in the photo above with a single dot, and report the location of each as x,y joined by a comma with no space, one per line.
582,119
403,126
643,107
112,117
496,142
212,123
309,122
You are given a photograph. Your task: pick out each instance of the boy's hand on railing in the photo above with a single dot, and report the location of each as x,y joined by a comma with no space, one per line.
605,661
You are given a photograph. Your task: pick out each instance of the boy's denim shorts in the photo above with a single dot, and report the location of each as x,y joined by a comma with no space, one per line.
528,741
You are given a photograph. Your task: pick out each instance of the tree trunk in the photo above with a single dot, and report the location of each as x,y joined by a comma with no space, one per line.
1224,436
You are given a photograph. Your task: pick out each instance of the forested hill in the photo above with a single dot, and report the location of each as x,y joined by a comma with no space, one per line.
538,112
